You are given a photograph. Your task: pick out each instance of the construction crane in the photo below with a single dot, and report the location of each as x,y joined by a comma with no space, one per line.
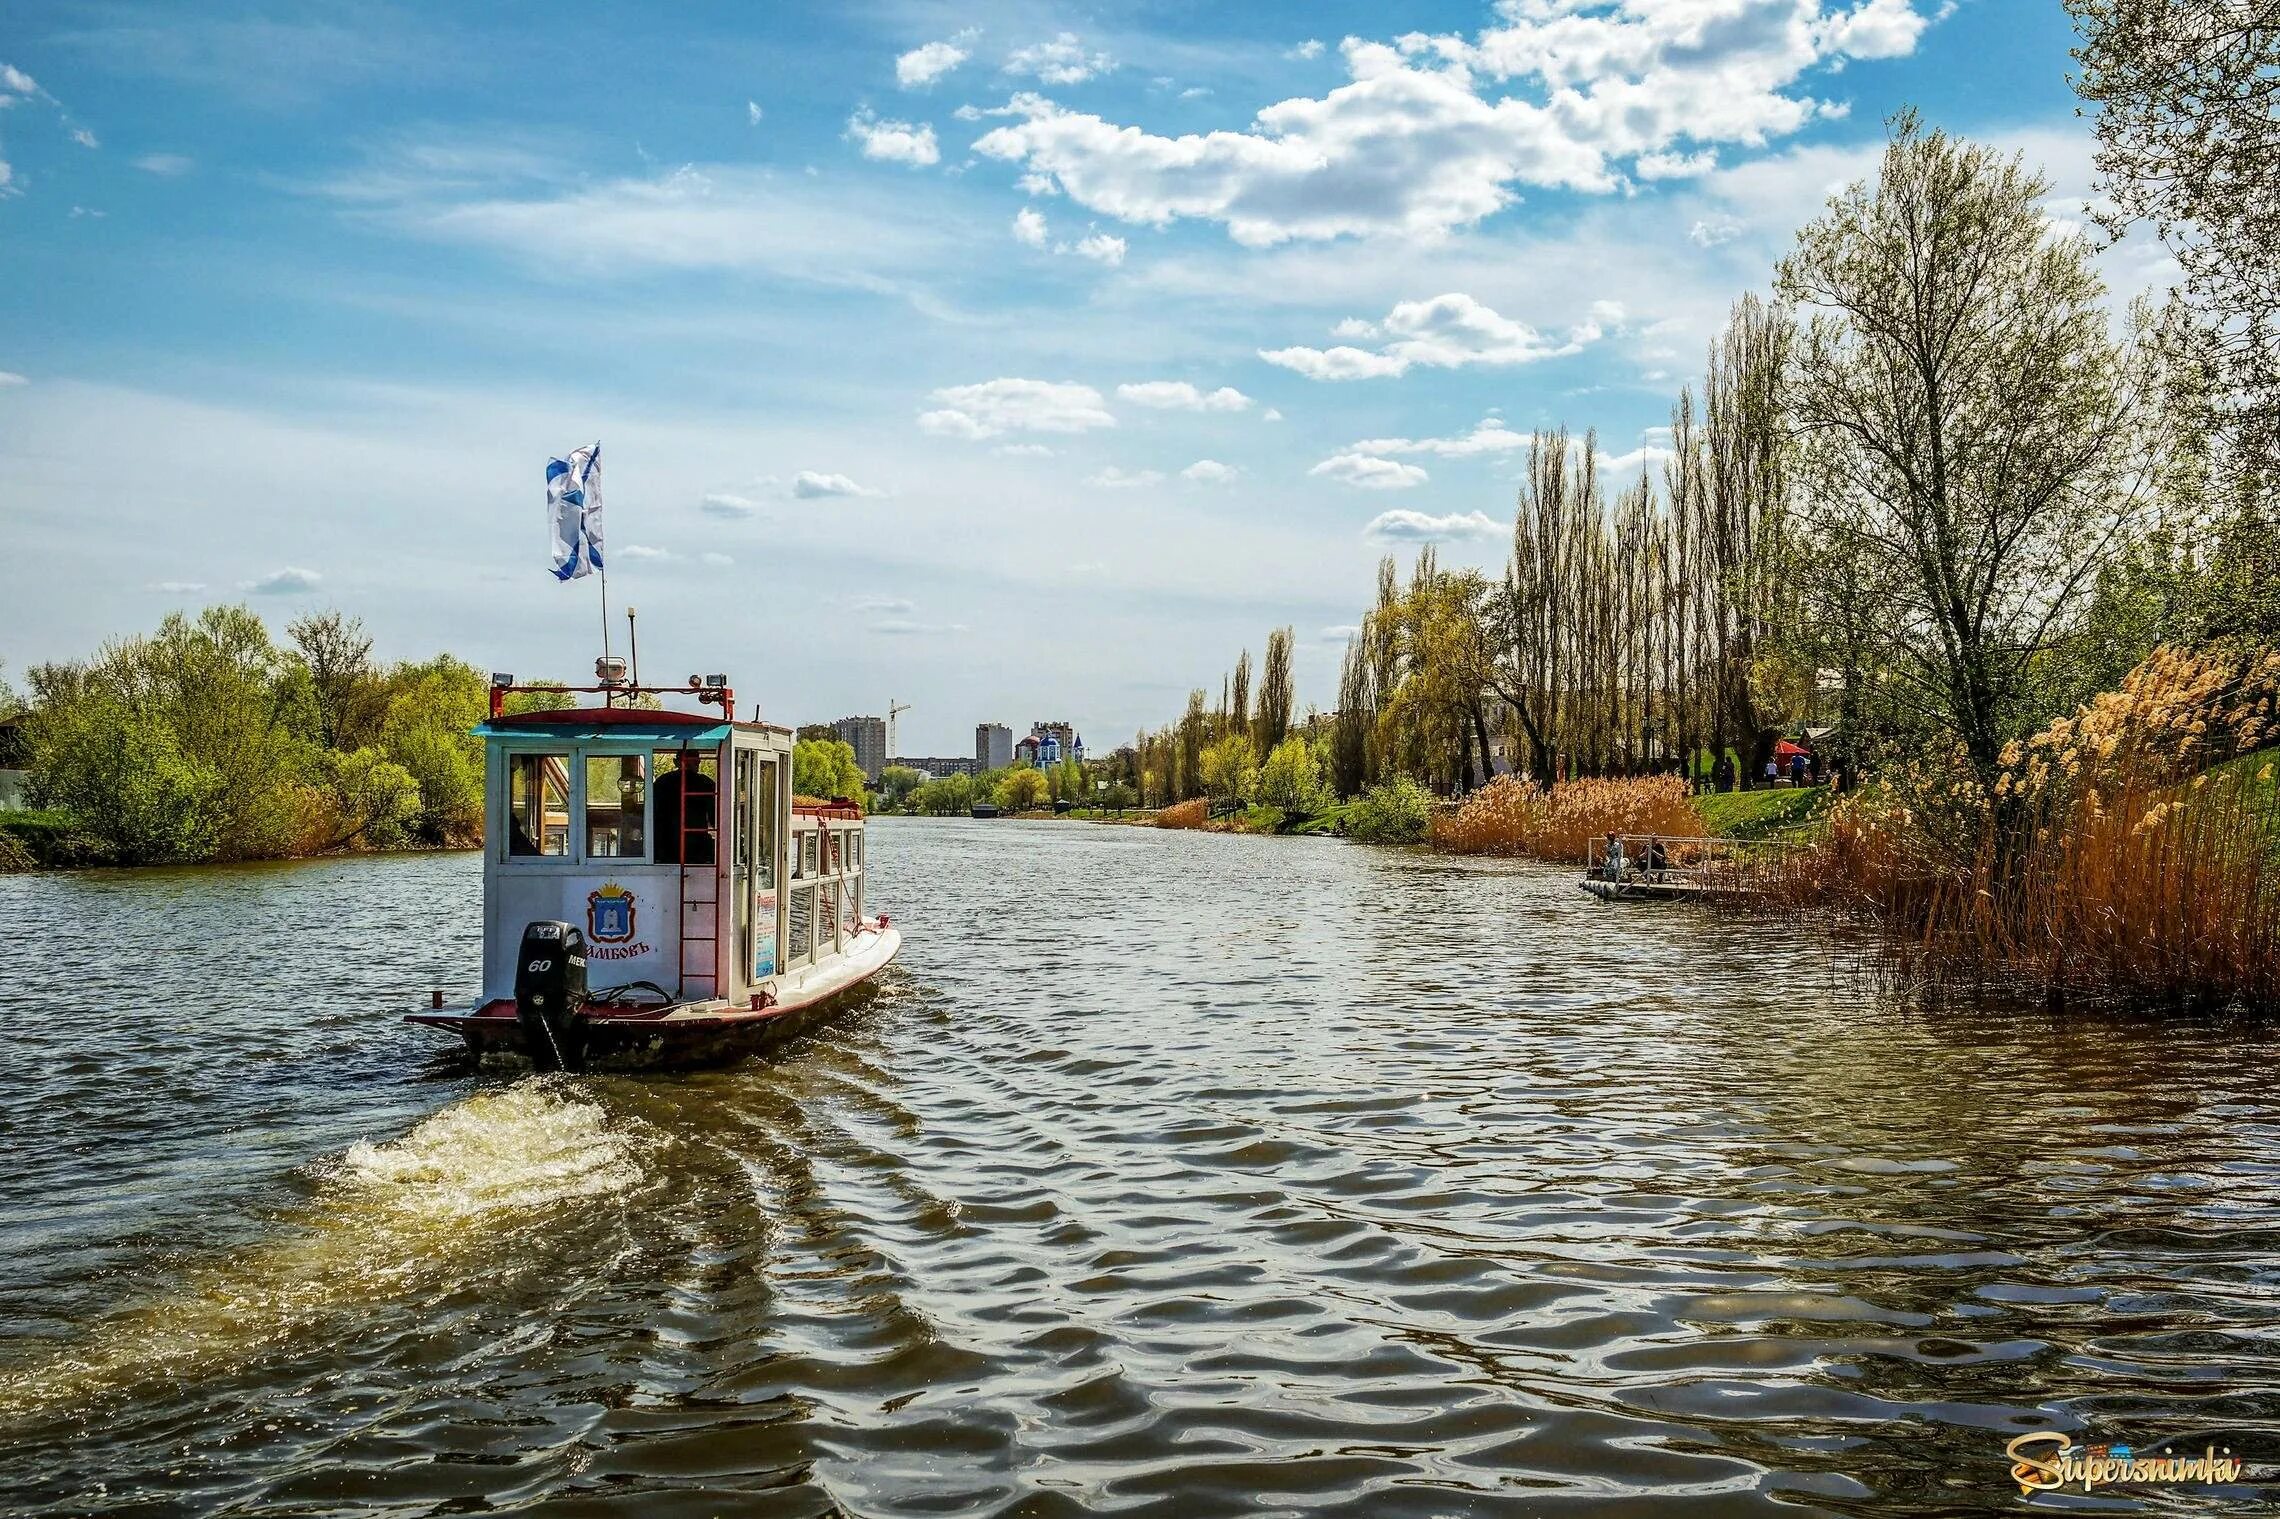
894,710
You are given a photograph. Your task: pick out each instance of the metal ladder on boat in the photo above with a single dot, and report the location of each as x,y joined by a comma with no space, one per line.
695,911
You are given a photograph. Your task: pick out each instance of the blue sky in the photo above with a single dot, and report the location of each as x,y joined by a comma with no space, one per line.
1016,361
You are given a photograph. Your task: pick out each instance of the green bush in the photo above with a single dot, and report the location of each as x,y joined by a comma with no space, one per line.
1397,812
1292,779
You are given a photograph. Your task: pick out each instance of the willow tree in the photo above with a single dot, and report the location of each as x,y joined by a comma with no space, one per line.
1432,718
1966,417
2188,123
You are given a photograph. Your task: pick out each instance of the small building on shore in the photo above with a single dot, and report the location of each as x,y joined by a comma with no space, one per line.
15,764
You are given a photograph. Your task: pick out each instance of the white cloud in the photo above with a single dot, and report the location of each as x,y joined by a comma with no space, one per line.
841,232
1060,61
1446,332
1029,227
924,64
716,560
752,112
1209,472
165,165
894,141
809,485
722,504
1710,231
899,627
1310,48
1022,451
1100,247
1676,165
1015,405
900,606
1339,633
1620,468
1422,527
1271,414
9,377
285,582
180,587
639,551
1421,141
1878,29
84,138
15,81
1367,472
1179,395
1489,436
1115,479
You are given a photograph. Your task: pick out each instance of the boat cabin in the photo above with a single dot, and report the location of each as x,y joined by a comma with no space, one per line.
672,841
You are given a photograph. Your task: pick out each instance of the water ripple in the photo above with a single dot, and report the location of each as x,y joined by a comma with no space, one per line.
1168,1174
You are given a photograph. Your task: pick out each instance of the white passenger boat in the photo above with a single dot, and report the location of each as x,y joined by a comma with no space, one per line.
652,889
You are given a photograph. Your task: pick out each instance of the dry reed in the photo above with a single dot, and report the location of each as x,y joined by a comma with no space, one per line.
1195,813
2127,850
1512,815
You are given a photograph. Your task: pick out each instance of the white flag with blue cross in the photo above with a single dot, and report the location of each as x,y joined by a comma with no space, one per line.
574,511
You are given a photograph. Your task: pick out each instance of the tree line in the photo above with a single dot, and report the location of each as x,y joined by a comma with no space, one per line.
209,740
1928,497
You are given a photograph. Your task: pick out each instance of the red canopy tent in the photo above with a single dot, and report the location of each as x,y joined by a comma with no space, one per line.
1784,750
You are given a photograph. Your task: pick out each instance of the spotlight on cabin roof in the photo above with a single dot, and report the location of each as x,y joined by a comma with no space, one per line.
609,670
716,682
502,678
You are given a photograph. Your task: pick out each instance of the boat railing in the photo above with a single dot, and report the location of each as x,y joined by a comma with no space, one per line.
826,903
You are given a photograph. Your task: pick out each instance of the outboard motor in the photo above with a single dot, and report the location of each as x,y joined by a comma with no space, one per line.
550,988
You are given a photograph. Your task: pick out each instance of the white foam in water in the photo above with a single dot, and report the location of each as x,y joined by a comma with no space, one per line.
385,1217
523,1146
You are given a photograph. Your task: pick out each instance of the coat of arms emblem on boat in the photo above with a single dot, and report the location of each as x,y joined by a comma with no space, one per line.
609,914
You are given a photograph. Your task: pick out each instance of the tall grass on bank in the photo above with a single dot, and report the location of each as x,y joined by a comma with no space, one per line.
1514,815
2132,849
1189,814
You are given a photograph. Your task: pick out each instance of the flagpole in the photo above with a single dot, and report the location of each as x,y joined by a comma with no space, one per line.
604,568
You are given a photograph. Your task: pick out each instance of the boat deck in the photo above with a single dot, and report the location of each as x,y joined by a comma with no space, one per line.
697,1026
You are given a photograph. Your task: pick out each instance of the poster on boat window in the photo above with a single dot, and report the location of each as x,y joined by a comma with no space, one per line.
763,936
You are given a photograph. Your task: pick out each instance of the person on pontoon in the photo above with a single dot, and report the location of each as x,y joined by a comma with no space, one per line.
1615,862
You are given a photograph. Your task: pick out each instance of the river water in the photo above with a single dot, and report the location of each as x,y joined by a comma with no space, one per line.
1167,1174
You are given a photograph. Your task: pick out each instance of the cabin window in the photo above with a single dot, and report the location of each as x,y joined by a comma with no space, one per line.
764,827
538,804
809,851
617,797
687,793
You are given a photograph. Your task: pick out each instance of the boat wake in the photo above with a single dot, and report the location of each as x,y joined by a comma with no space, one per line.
384,1221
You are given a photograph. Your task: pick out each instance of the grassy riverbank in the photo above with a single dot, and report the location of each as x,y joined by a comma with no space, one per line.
1767,814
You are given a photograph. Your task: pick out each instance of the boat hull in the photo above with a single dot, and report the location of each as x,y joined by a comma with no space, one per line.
703,1034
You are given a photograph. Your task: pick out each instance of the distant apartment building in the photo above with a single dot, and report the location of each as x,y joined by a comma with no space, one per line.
993,746
937,765
867,736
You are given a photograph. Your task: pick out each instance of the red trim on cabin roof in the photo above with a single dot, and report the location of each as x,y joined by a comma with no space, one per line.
610,717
